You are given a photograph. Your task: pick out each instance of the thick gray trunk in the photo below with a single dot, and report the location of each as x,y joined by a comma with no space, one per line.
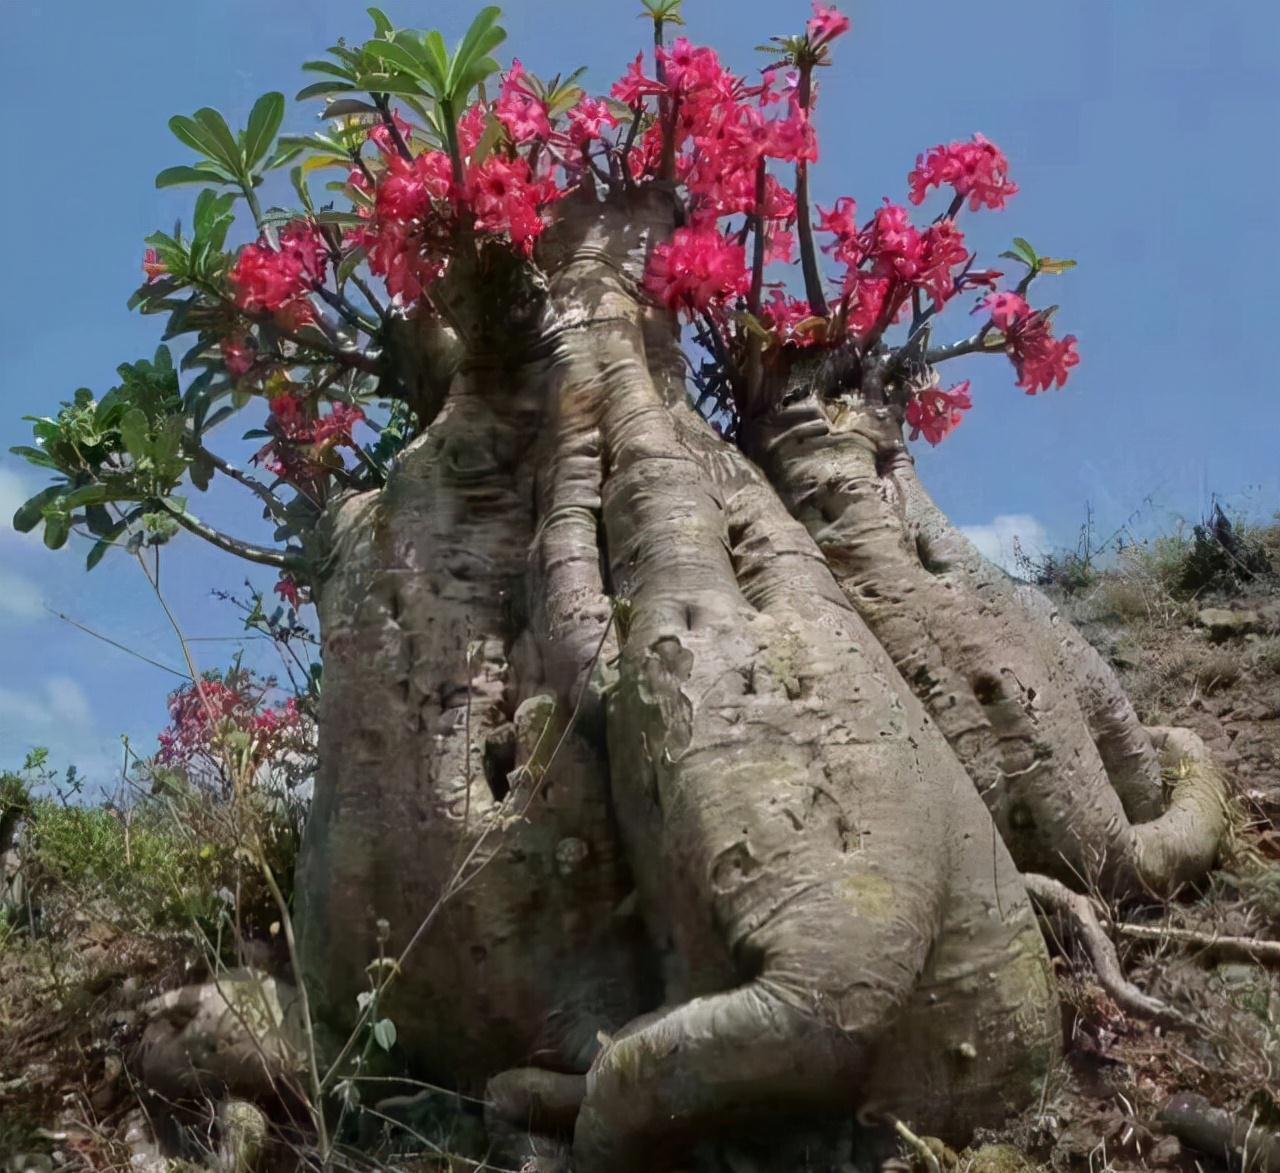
573,588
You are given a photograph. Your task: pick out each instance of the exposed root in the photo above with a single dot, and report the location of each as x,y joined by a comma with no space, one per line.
920,1146
1077,911
1234,1139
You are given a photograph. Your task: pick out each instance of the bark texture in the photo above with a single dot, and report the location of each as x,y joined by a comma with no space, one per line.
584,658
1070,776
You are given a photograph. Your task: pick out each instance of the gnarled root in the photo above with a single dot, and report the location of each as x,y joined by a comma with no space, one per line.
1037,718
1077,915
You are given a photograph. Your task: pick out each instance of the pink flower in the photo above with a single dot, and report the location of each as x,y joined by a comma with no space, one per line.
287,589
696,267
1006,309
521,111
793,137
504,200
1040,359
588,119
239,354
826,24
842,222
783,314
944,252
976,169
153,266
935,413
384,140
268,279
634,86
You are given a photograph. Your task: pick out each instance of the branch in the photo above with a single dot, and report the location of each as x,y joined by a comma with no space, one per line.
1233,948
975,344
255,486
757,226
278,559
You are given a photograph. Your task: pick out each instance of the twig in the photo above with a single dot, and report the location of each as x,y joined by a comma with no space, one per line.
1234,948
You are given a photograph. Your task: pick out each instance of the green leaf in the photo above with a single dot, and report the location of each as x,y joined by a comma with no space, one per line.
27,516
480,40
201,173
197,137
322,89
403,60
285,153
107,540
92,494
264,123
382,27
133,431
332,68
56,530
341,107
39,457
220,133
1023,247
350,263
384,1033
299,179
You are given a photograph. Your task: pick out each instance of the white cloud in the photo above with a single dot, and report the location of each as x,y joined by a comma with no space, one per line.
20,598
996,539
56,702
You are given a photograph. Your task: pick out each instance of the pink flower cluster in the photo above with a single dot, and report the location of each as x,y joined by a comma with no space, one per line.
203,716
301,438
976,169
1040,359
935,414
696,267
278,280
826,24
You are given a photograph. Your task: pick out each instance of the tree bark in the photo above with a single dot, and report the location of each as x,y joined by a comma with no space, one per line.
1071,778
581,655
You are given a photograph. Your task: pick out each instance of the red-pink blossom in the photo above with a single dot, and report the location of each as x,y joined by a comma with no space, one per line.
635,86
588,119
935,413
977,169
1041,360
520,110
783,314
239,353
696,267
826,24
153,266
269,279
287,588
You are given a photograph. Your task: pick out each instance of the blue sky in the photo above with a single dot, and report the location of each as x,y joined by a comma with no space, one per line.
1142,135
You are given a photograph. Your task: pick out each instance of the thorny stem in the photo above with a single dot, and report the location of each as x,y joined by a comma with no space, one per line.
804,222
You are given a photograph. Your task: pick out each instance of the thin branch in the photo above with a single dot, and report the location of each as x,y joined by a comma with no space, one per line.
757,226
106,639
264,556
804,222
1233,948
255,486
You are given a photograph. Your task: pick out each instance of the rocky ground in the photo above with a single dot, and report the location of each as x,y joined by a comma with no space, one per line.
73,994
